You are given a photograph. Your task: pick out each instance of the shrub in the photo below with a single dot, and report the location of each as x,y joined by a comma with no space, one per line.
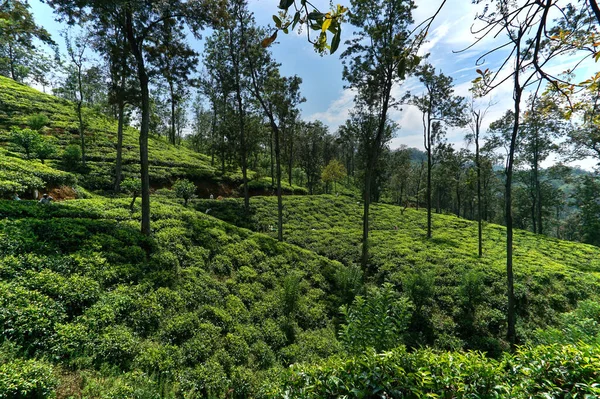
376,321
71,157
132,186
27,379
184,189
25,139
37,121
45,148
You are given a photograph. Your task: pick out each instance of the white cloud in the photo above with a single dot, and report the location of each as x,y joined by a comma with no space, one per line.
337,112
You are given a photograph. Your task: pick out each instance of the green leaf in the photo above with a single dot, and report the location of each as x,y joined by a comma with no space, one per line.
335,42
315,15
285,4
277,21
296,19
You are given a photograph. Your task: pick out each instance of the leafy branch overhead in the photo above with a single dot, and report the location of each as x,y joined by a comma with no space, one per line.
307,14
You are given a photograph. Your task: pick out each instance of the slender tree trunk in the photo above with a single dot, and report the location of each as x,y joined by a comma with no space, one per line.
291,159
172,95
119,161
538,191
213,134
242,119
81,132
429,180
511,333
279,199
458,200
79,114
365,235
272,160
12,62
478,166
145,125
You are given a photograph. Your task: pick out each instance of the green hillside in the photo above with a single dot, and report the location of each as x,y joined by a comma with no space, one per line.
212,306
167,162
550,275
209,308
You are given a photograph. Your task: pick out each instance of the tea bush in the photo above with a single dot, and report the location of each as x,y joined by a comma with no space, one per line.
458,298
210,307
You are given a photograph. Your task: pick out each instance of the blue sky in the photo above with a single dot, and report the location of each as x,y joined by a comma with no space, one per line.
326,98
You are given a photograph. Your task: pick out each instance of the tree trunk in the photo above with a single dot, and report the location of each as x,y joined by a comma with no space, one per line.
119,161
279,199
511,333
365,235
240,105
81,132
291,159
429,193
79,114
172,100
478,166
538,190
272,159
213,134
12,62
145,125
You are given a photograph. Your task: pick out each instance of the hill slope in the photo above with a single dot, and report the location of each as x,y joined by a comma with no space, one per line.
212,307
167,162
462,296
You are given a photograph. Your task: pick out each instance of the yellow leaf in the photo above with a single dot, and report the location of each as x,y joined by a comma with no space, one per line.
326,23
267,41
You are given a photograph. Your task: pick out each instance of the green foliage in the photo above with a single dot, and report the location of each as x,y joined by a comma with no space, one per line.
17,175
25,139
45,148
208,310
458,298
71,157
376,321
333,172
132,186
22,379
167,162
184,189
37,121
543,371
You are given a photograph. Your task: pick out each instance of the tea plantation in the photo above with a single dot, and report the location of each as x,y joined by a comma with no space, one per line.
212,306
459,299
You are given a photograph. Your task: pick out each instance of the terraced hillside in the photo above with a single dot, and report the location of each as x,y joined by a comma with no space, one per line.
461,297
167,162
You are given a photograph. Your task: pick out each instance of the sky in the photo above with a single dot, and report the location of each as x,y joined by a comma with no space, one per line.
323,87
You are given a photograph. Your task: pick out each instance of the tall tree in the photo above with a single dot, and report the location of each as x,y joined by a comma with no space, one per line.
18,33
139,20
174,61
278,97
123,90
311,148
380,55
540,129
475,120
76,49
439,106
